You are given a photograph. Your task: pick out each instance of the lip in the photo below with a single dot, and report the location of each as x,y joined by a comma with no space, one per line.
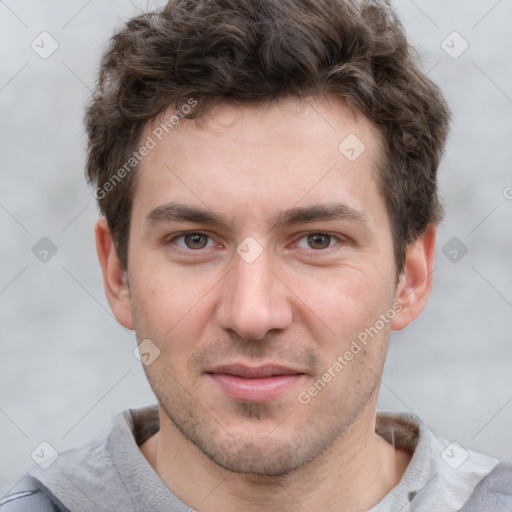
255,384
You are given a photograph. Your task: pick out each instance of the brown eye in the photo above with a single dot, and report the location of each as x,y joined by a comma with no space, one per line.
195,240
319,241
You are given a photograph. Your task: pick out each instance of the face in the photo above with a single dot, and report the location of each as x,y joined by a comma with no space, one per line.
259,254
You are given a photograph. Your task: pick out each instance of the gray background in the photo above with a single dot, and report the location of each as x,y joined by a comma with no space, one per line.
67,366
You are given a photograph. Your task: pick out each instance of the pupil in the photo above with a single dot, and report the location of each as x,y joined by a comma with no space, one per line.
319,241
196,241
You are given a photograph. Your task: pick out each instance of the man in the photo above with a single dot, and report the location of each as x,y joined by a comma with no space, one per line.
267,175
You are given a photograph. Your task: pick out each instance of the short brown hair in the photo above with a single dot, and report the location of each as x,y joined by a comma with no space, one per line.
250,51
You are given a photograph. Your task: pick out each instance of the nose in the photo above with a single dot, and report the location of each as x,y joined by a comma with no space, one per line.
253,299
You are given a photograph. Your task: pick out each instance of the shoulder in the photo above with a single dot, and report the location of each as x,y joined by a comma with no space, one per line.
28,496
494,492
443,475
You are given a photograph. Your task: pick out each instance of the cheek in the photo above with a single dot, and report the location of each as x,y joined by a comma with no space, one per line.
344,303
171,308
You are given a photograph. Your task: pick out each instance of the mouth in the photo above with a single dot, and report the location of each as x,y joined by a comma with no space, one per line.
255,383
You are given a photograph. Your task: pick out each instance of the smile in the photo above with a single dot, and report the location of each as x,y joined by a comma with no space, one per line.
255,384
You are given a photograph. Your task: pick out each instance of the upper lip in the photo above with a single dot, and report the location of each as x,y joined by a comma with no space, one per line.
254,372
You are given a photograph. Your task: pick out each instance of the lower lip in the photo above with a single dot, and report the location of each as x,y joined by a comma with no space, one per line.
255,390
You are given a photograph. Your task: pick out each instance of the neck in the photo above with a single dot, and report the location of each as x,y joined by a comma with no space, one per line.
358,470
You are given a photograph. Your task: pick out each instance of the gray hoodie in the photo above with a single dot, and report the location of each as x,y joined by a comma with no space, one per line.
112,474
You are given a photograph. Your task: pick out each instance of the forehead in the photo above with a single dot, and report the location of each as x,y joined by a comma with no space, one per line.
261,159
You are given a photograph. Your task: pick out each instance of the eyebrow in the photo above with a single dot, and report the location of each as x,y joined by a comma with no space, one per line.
328,211
178,212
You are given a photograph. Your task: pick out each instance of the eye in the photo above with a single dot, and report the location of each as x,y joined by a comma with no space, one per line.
317,241
192,240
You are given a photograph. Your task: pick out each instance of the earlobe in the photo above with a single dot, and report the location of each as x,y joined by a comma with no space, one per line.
115,279
415,282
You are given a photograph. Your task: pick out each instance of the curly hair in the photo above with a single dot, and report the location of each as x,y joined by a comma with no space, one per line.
253,51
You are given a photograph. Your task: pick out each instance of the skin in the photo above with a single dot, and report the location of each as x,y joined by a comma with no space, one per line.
299,304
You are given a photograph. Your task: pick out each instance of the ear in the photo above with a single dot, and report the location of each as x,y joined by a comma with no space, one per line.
115,279
415,281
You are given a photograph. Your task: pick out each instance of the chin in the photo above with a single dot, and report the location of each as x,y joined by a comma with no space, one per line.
261,457
256,443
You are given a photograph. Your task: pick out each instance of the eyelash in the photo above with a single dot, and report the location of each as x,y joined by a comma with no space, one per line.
185,233
338,239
